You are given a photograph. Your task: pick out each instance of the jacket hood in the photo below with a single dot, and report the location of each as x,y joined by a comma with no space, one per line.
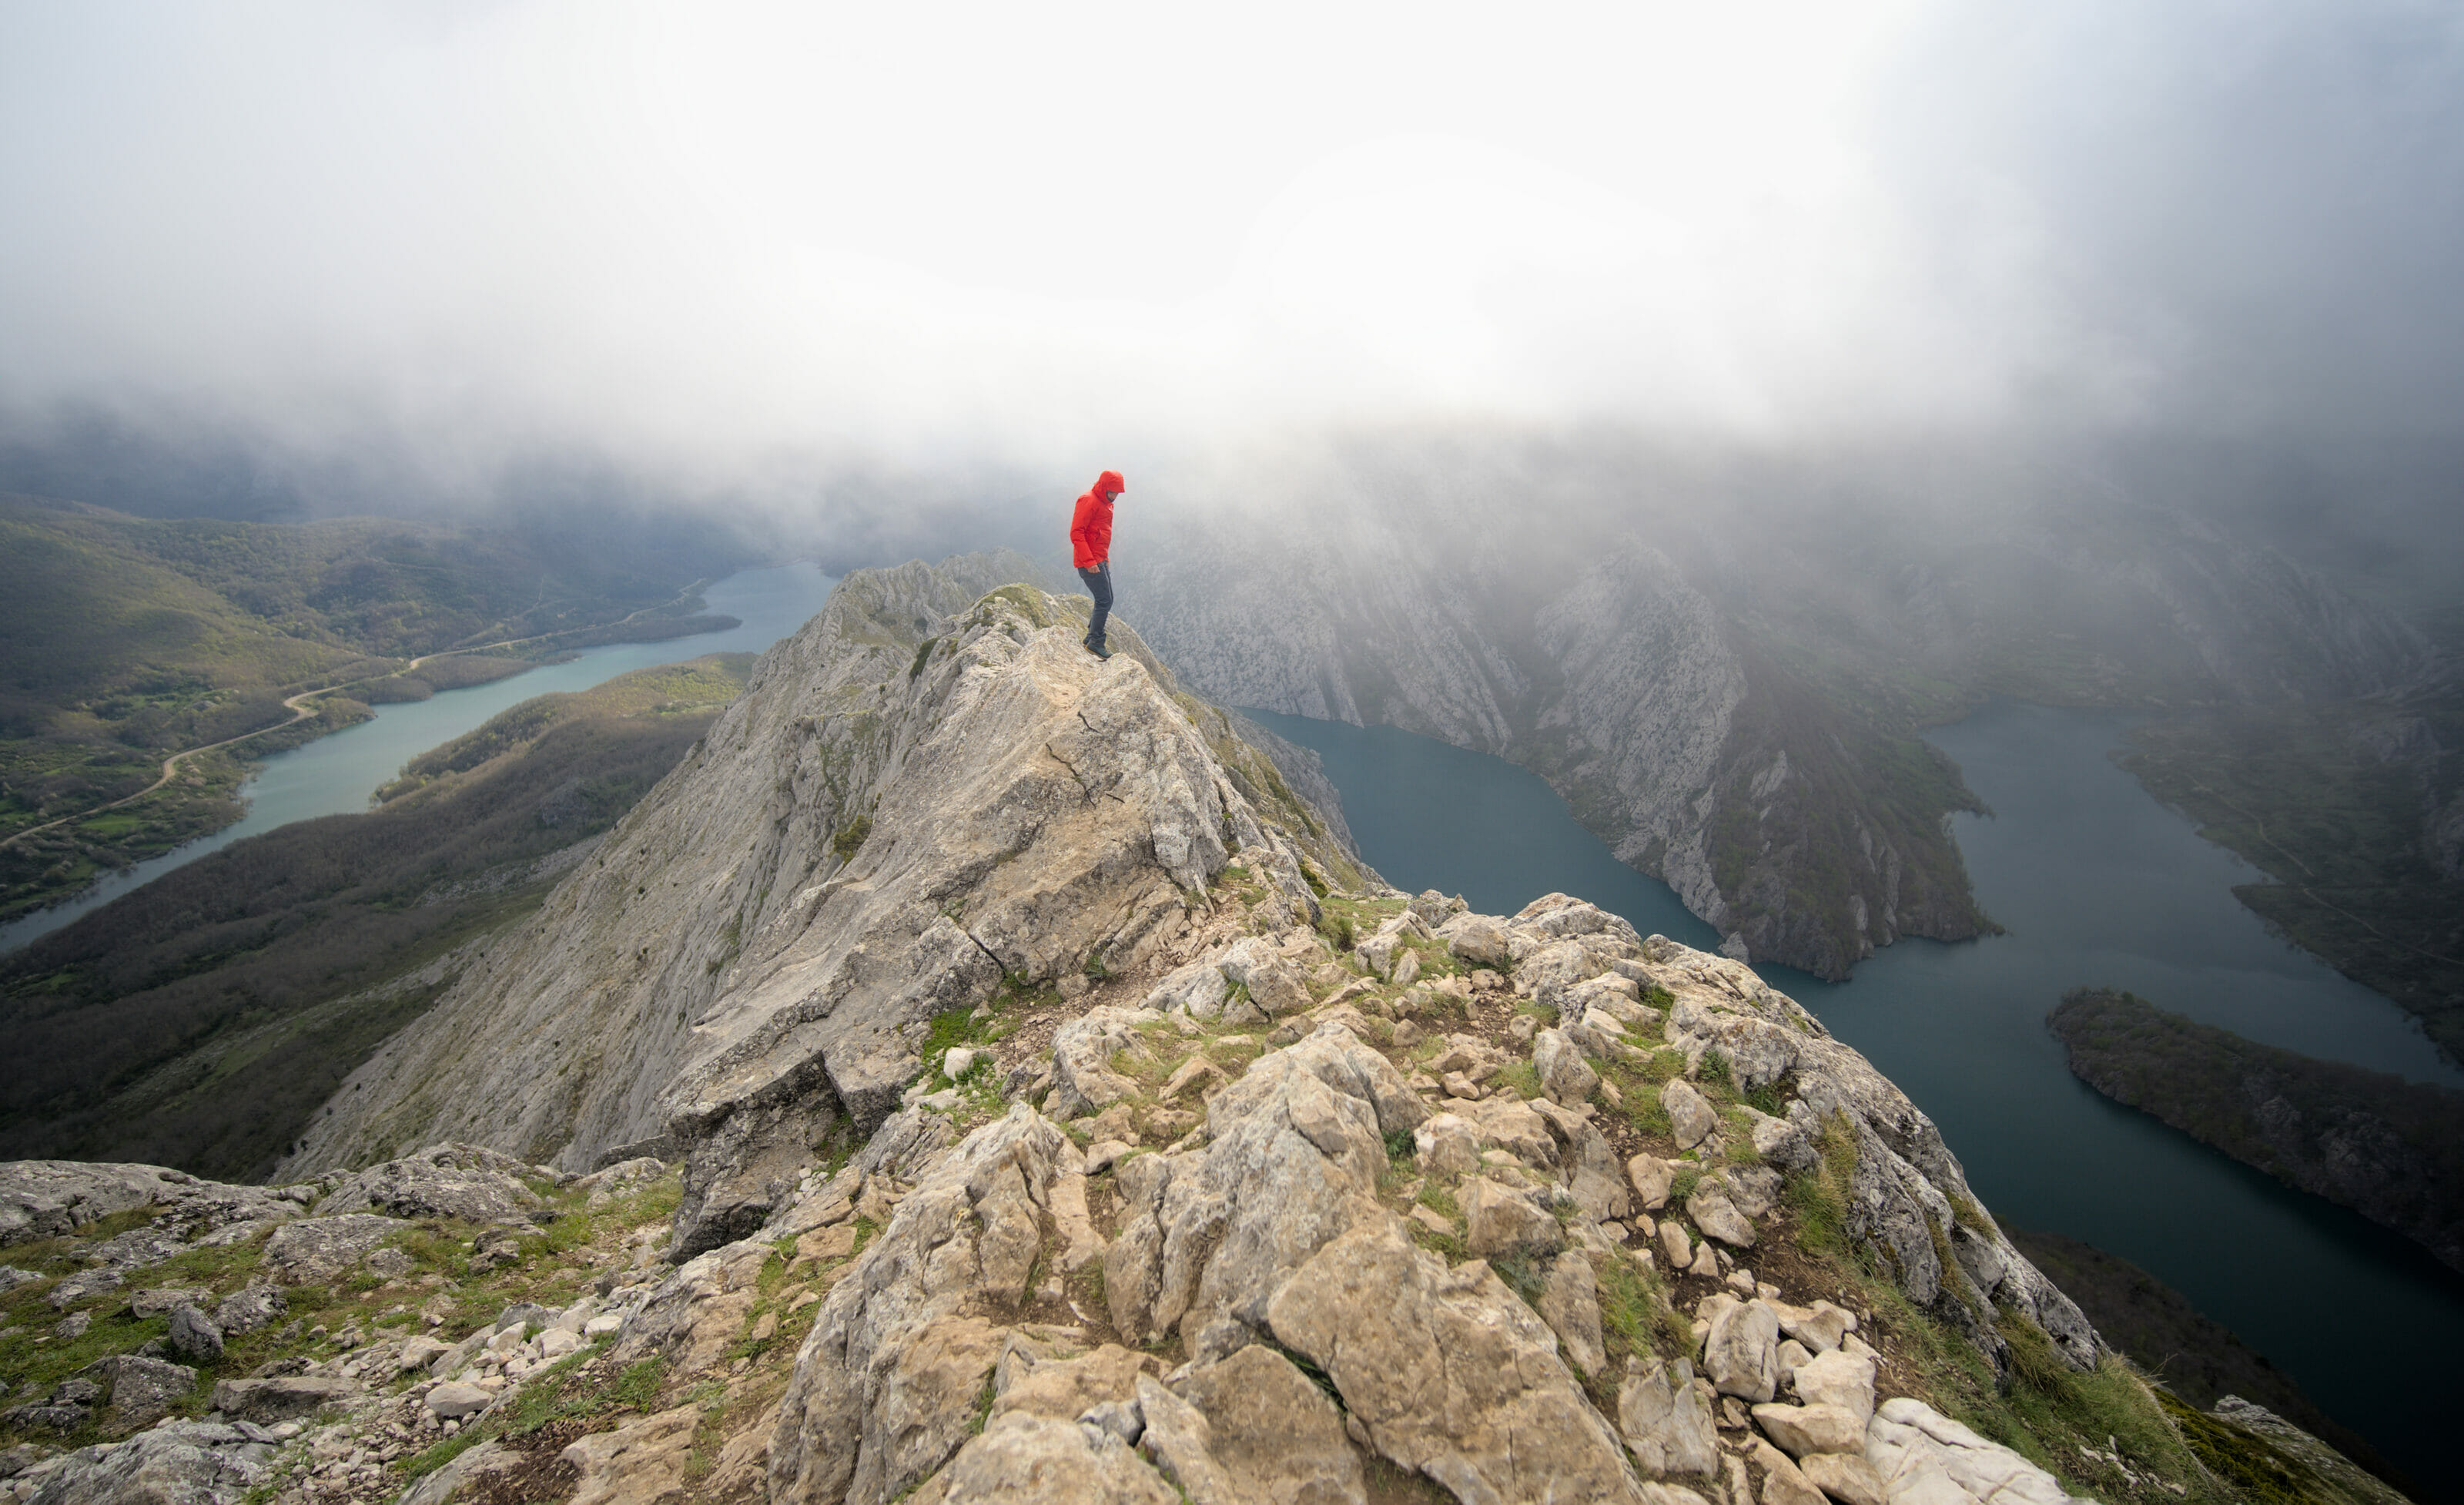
1110,484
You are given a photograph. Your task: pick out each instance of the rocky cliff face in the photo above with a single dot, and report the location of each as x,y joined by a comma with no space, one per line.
921,798
1799,832
1308,1190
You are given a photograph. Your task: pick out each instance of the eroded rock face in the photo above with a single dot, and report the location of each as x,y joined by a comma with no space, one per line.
1907,1195
923,790
886,1382
1451,1373
1916,1449
1665,1413
318,1250
187,1463
443,1181
1275,1436
51,1199
1036,1460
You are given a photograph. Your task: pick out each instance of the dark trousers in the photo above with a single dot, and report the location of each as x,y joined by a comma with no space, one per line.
1099,584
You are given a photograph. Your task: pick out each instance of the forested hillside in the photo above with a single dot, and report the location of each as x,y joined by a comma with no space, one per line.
127,640
197,1021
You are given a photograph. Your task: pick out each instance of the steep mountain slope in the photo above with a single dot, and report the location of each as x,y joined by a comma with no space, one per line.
922,798
1059,1123
1726,665
201,1019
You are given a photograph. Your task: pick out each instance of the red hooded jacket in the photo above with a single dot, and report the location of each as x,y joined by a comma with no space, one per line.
1091,526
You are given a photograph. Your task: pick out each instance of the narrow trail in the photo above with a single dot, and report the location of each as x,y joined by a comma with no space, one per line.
301,711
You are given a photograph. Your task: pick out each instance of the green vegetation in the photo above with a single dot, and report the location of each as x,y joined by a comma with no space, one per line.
2333,803
322,1320
2216,1086
128,640
851,838
199,1020
2198,1360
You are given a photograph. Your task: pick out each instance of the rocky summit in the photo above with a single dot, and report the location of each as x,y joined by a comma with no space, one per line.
976,1075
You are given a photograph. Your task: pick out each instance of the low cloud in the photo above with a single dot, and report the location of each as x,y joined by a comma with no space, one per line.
763,256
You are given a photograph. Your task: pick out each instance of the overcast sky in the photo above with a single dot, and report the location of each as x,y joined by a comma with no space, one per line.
724,240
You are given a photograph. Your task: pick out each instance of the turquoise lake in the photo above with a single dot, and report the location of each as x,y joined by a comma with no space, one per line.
336,775
2098,883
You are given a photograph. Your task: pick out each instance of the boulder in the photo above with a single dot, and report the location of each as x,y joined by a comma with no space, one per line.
1711,1210
1570,1303
133,1250
1511,1124
1480,941
318,1251
250,1307
1446,1144
1198,989
1800,1430
1274,984
186,1462
160,1301
52,1199
1740,1354
1820,1327
419,1351
1175,1436
1502,1220
281,1399
1082,1078
469,1467
1908,1441
1651,1177
82,1286
1841,1379
1292,1147
194,1337
1551,971
1690,1114
1448,1371
647,1458
1845,1478
1276,1435
1035,1460
1783,1482
443,1181
695,1312
1595,1030
1026,1379
1564,1075
144,1390
1665,1413
454,1402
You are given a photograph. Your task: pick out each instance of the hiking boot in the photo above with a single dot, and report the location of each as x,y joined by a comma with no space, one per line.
1099,651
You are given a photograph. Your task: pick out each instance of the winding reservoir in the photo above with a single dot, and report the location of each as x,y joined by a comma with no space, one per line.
2096,883
337,775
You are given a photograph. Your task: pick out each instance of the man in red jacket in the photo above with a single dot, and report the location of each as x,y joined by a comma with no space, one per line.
1090,544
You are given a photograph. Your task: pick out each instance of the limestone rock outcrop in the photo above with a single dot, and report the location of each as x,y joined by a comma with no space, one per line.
925,795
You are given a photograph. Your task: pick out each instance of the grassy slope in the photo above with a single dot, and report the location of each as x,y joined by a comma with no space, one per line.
2198,1359
126,639
197,1021
2210,1083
